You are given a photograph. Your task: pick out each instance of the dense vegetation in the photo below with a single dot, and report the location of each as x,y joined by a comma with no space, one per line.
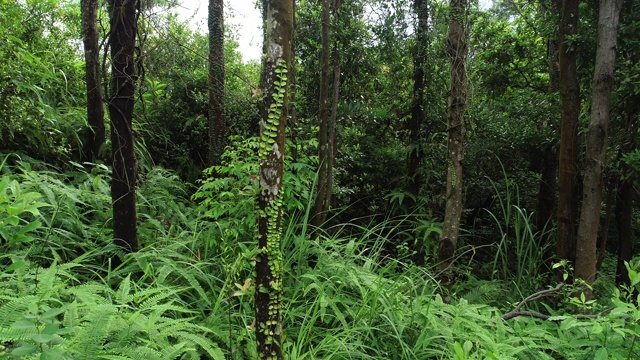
363,283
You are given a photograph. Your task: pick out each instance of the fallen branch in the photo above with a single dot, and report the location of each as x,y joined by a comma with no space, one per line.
517,311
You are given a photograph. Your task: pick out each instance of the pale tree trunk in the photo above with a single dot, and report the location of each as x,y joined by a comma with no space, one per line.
123,76
568,165
278,34
95,109
320,207
587,240
217,126
421,9
457,51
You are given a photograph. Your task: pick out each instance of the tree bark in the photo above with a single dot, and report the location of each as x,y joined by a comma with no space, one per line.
568,164
95,108
321,206
587,240
123,76
217,126
457,51
278,25
624,218
417,112
549,159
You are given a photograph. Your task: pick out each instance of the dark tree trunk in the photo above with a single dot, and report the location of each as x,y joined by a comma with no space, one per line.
414,181
624,218
457,51
587,239
549,160
123,77
321,206
568,164
278,14
95,109
217,126
604,239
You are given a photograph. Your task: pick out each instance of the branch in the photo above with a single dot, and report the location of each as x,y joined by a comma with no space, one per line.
517,311
535,296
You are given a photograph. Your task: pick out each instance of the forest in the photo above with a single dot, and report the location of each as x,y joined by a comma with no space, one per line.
392,179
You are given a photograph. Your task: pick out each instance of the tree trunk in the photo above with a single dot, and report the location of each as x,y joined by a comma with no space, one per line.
624,218
604,239
587,240
123,76
331,129
549,159
568,165
321,206
417,112
216,81
457,51
95,109
278,20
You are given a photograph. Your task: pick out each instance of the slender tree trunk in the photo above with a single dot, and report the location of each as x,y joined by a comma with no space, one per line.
587,240
624,218
320,207
417,112
217,126
278,20
457,51
123,76
608,210
568,165
549,160
95,109
293,89
331,129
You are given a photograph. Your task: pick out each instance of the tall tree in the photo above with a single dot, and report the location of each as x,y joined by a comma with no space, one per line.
587,239
217,126
95,109
549,159
570,103
124,22
457,51
278,34
421,46
321,205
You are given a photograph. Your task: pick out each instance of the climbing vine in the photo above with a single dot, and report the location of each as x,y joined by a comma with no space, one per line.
270,154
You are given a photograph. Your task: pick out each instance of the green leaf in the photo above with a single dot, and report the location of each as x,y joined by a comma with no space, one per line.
23,324
24,350
16,265
42,338
601,354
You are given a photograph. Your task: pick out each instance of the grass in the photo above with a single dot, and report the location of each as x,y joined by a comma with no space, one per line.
188,295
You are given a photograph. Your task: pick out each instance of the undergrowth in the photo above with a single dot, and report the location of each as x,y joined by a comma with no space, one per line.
187,294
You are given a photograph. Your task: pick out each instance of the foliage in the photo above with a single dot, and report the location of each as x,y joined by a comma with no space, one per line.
228,196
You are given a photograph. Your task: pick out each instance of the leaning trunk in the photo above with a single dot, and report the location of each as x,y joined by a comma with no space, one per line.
457,51
123,76
587,240
321,206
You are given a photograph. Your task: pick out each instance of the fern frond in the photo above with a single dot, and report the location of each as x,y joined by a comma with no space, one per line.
211,348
